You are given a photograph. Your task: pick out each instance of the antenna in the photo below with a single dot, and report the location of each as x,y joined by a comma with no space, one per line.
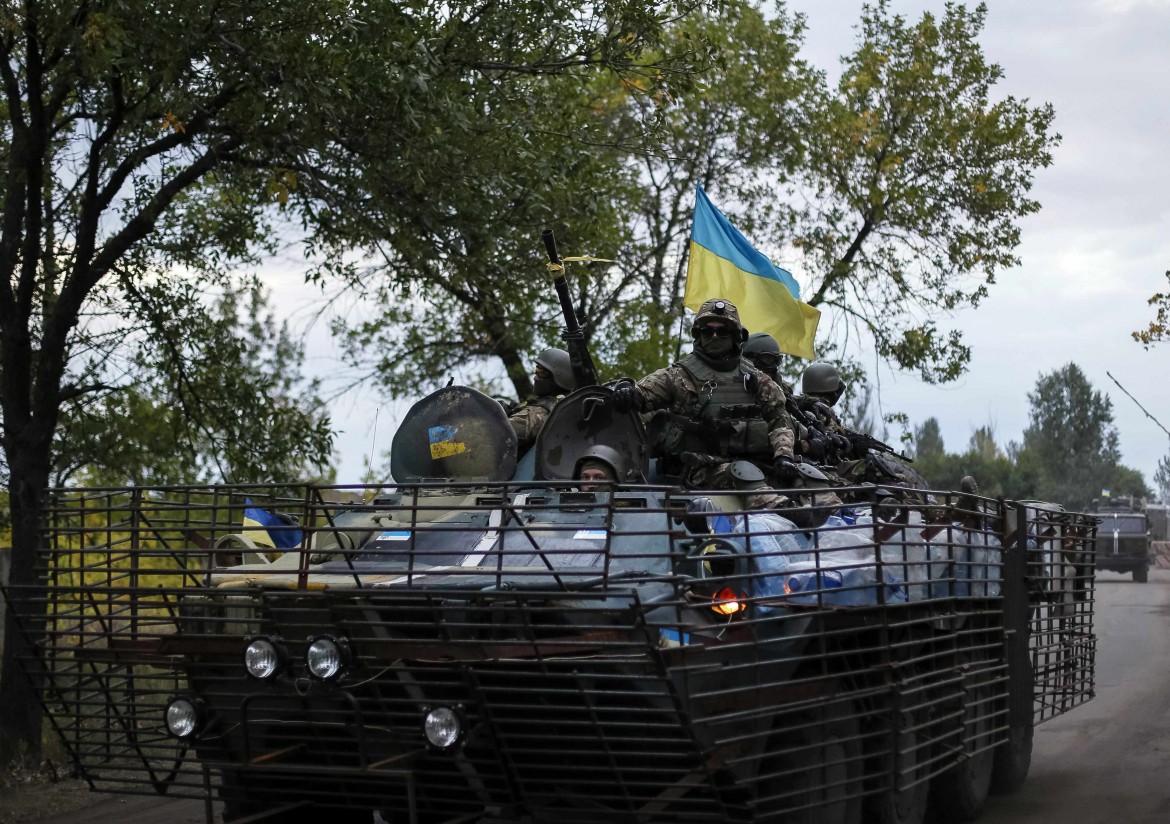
1139,406
373,443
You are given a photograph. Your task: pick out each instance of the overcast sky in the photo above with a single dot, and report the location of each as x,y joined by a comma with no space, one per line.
1090,259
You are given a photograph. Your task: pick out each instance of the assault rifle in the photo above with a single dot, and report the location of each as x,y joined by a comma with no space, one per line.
584,372
862,442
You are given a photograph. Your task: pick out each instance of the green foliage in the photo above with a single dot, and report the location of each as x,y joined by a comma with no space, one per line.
1162,479
1072,435
453,198
1159,328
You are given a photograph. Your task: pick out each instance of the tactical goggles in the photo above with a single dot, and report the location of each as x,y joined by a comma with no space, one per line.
766,360
715,331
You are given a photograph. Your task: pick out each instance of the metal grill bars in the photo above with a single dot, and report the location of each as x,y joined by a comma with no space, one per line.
629,652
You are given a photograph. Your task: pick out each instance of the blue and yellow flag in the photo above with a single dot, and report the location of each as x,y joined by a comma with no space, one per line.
723,264
268,530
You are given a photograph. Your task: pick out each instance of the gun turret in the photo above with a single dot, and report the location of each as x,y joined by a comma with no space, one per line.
584,372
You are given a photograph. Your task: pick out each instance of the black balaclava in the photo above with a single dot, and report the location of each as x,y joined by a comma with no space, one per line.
545,386
720,353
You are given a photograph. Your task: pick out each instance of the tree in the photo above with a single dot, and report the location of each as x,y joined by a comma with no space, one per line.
142,143
1071,438
916,179
1162,479
455,264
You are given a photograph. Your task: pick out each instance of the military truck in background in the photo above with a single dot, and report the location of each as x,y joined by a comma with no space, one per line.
486,640
1123,537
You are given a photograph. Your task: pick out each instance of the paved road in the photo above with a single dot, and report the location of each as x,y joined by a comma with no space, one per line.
1107,762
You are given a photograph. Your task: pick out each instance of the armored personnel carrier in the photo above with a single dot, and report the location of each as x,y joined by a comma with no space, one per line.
494,640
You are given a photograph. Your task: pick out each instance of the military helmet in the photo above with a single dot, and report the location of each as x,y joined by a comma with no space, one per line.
821,379
761,343
718,309
557,362
607,455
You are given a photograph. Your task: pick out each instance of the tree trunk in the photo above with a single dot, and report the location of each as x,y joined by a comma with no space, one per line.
20,674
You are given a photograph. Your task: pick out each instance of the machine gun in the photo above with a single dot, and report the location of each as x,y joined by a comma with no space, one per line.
584,372
862,442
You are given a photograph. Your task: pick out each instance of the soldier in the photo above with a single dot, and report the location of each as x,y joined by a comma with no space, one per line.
764,353
712,406
822,381
551,380
599,464
821,387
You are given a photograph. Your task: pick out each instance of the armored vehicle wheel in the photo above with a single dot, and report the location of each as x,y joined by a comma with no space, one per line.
814,772
1141,574
902,804
1012,761
959,793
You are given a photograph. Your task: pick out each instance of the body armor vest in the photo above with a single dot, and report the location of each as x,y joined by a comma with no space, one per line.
725,419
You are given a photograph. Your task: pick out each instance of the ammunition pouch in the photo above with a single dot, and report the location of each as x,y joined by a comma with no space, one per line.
675,434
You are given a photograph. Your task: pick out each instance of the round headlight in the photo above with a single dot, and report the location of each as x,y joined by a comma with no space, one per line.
325,657
263,658
182,717
443,727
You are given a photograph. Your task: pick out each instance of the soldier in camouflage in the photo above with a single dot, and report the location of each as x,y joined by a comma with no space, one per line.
764,353
821,387
552,379
713,407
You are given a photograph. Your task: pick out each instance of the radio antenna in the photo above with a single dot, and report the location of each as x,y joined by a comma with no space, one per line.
1139,406
373,445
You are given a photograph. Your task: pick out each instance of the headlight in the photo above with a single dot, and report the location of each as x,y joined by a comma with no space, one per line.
443,727
264,658
326,657
184,717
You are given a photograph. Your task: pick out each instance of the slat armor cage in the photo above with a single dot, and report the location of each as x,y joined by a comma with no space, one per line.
503,650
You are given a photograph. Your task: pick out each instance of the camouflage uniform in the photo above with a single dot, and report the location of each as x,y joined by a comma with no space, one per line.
529,418
694,454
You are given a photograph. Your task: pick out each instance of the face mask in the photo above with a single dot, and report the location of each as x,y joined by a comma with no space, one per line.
545,386
717,347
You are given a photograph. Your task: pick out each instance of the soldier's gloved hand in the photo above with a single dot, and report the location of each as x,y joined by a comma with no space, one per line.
625,396
814,448
785,468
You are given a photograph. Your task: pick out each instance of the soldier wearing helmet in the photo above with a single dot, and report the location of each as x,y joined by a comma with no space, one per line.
599,464
713,407
822,381
552,379
762,350
821,387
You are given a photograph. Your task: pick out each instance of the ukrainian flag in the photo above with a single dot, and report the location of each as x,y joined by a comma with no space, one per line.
723,264
269,530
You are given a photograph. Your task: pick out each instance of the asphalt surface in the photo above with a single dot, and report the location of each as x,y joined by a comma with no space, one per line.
1103,763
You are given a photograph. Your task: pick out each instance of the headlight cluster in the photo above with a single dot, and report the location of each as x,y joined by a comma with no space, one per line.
326,657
